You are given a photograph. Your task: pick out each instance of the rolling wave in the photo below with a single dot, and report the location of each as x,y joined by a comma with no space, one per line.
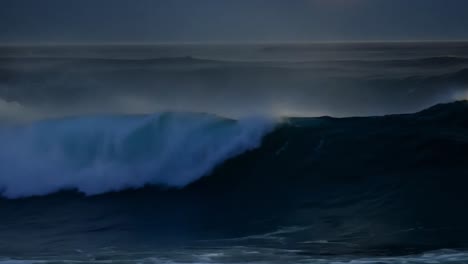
441,61
387,185
102,154
96,61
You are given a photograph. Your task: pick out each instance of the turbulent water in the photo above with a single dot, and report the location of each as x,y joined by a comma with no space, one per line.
105,156
111,153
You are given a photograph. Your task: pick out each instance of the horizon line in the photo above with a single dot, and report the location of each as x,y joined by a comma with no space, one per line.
280,42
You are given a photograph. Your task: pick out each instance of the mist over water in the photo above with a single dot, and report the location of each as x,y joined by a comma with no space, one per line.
113,153
337,79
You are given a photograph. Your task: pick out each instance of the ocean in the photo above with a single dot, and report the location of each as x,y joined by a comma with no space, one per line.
234,153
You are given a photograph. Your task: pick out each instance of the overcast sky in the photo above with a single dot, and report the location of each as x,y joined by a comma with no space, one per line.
52,21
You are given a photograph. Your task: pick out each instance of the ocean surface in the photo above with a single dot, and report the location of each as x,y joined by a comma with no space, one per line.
249,153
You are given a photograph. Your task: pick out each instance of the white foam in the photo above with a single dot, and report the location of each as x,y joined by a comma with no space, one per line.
100,154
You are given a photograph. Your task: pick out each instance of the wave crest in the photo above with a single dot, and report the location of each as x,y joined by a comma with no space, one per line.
100,154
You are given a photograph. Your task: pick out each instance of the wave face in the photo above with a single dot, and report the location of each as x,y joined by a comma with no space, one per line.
102,154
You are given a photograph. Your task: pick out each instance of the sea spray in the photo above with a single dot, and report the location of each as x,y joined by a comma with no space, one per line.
109,153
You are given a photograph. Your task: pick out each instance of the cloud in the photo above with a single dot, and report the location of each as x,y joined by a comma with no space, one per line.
214,20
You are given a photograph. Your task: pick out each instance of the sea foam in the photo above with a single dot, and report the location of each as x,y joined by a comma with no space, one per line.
101,154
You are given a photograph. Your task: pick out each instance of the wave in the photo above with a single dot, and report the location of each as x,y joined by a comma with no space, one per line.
109,153
387,185
91,60
441,61
240,254
423,62
100,154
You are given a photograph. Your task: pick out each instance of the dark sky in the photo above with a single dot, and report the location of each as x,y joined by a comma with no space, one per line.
49,21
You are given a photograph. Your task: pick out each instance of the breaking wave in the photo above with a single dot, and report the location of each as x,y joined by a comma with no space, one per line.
109,153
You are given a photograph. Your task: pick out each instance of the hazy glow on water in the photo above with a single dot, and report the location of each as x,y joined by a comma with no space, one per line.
301,79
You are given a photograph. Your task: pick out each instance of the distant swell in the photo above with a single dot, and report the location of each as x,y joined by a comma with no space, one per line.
109,153
103,60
